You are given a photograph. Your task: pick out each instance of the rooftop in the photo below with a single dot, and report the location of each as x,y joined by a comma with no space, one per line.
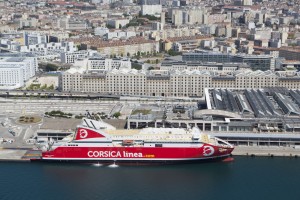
259,103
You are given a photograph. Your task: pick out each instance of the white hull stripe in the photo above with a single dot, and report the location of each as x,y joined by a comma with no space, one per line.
135,159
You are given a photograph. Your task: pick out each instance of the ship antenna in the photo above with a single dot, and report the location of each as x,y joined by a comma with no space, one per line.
88,114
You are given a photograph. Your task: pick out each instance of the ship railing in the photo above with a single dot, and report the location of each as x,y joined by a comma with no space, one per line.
223,143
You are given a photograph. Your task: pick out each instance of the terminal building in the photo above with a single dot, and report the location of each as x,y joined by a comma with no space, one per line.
230,110
268,116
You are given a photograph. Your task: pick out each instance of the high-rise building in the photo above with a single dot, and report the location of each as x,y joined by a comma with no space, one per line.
247,2
15,70
151,9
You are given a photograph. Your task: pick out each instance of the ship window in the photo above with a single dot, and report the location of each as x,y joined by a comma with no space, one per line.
158,145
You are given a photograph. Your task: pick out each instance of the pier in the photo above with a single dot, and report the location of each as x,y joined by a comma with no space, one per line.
18,154
266,151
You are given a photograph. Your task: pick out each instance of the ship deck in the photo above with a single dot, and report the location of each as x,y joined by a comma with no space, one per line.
134,134
123,132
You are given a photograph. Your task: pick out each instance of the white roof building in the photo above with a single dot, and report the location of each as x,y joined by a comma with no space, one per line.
14,71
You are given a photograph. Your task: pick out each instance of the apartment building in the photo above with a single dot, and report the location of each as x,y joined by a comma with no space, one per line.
290,53
151,9
49,50
100,63
128,48
34,38
14,71
71,57
119,47
117,23
256,62
72,24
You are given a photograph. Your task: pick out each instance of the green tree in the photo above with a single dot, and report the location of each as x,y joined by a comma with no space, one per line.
51,67
117,115
136,66
109,26
44,87
171,52
51,87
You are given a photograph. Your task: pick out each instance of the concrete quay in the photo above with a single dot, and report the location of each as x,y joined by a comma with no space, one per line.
17,154
266,151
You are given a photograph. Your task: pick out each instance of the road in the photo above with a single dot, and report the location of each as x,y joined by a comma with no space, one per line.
40,106
36,106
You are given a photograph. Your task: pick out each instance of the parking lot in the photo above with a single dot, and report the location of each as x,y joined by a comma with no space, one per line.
15,135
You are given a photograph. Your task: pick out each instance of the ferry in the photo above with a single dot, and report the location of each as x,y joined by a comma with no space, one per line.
98,142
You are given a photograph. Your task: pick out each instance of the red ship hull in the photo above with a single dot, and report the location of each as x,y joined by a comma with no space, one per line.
137,154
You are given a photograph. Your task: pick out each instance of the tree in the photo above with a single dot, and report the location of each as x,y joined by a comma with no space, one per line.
156,61
149,17
51,87
117,115
128,54
51,67
44,87
136,66
109,26
171,52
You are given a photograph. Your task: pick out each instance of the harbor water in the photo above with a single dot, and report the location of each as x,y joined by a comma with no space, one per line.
245,178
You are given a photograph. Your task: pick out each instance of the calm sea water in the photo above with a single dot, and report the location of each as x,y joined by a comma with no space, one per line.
245,178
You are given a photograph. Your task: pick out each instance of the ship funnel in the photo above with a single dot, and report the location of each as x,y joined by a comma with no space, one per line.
87,133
